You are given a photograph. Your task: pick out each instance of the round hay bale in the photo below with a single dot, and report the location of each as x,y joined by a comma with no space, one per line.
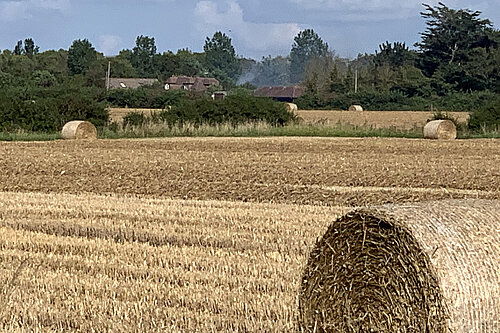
355,107
425,267
291,107
79,129
440,129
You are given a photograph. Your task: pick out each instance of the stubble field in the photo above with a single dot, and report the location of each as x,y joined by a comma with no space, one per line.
403,120
202,234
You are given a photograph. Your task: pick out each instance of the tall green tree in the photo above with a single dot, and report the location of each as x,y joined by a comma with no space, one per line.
56,62
450,36
336,82
189,63
220,56
395,54
271,72
18,49
307,46
81,55
30,48
143,56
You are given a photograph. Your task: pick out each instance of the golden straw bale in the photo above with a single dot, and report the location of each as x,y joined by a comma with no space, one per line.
79,129
424,267
291,107
440,129
355,107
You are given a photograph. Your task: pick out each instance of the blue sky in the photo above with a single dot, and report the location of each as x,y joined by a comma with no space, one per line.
257,27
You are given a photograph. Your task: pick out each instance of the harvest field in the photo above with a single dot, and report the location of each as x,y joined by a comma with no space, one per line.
406,120
377,119
117,114
196,234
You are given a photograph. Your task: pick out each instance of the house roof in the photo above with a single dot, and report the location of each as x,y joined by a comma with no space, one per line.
192,80
280,92
131,83
195,83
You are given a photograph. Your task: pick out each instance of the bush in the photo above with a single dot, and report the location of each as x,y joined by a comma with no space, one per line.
370,100
233,109
48,109
487,118
310,101
396,100
134,119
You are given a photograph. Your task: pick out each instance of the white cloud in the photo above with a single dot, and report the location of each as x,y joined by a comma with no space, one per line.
109,44
369,10
255,36
14,10
364,5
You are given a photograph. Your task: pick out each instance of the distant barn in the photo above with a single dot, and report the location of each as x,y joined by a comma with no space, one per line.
281,93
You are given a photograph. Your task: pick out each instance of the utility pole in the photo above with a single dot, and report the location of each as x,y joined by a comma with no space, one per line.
356,80
108,76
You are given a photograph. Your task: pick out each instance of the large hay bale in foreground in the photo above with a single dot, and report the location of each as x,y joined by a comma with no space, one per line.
355,107
291,107
440,129
425,267
79,129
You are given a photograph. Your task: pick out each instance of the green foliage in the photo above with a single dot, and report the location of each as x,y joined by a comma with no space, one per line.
134,119
395,55
20,66
145,97
307,45
220,57
29,48
310,100
48,109
120,67
487,118
143,56
235,110
336,82
270,72
18,49
6,80
440,115
188,63
458,49
55,62
450,35
43,78
81,55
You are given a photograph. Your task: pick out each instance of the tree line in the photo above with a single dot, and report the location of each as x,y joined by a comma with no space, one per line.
455,66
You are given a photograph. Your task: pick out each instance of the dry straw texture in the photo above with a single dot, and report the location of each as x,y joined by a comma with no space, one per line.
440,129
378,119
337,172
355,107
291,107
426,267
79,129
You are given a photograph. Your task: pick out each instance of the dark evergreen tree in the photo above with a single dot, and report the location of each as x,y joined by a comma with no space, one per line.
30,48
307,45
18,49
450,36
